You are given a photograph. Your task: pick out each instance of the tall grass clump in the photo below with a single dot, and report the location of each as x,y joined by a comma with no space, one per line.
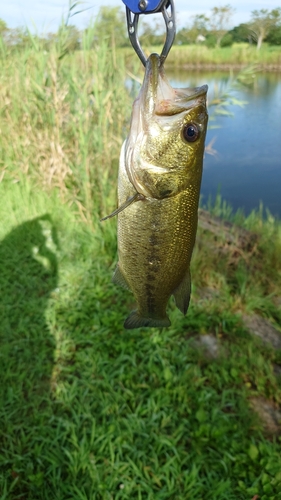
240,262
238,55
63,119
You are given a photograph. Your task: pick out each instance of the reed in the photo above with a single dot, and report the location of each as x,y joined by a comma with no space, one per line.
239,55
63,121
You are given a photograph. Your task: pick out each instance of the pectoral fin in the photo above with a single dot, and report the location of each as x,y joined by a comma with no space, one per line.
182,293
124,205
119,278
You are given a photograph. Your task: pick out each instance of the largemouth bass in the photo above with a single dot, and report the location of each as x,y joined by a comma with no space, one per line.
158,193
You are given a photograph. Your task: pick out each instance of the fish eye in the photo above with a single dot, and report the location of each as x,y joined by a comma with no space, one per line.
190,132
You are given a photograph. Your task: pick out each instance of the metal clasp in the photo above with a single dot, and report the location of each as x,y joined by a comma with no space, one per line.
133,19
144,6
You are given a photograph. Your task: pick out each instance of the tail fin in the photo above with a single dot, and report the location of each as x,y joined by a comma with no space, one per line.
137,321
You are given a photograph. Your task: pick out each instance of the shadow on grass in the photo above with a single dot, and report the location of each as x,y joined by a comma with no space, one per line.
28,274
133,415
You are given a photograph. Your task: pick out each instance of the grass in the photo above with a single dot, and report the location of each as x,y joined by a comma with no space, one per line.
91,411
239,54
63,121
87,409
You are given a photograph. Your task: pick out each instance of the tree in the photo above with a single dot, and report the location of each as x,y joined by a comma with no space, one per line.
110,24
241,33
3,27
227,40
219,21
182,36
3,31
73,37
274,35
152,34
262,21
16,37
198,29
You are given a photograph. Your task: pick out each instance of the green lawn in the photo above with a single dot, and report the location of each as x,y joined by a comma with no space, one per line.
91,411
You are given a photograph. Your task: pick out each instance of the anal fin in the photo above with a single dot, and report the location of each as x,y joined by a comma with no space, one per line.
182,293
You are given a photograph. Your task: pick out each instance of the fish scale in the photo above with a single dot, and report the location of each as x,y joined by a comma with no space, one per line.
154,271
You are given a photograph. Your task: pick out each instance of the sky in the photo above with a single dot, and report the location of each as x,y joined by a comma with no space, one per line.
45,15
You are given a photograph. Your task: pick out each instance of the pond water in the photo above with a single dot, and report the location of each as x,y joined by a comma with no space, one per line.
246,165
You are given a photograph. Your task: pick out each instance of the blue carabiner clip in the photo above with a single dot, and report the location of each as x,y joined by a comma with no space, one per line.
144,6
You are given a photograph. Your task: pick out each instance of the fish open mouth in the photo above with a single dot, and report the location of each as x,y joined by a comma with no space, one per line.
158,97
